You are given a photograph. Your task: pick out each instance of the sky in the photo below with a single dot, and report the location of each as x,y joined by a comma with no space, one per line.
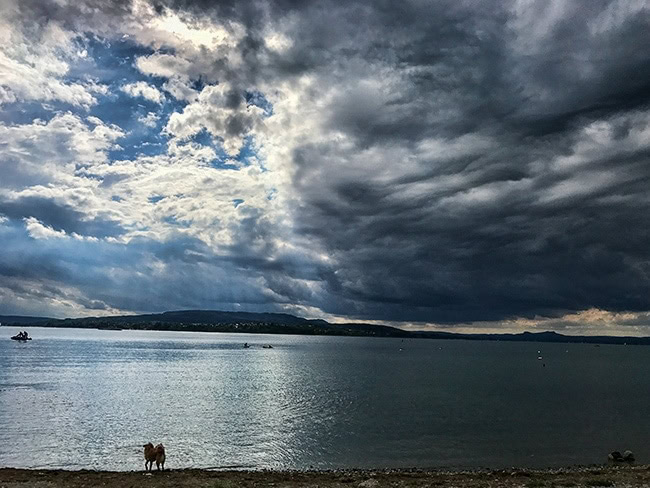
457,165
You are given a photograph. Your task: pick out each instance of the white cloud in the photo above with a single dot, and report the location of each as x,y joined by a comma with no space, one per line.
166,65
143,89
94,120
37,230
149,120
180,89
42,153
34,66
171,29
223,113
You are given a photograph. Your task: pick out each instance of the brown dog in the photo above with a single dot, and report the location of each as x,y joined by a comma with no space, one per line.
152,454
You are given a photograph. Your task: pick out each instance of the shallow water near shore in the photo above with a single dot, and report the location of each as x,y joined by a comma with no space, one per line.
78,399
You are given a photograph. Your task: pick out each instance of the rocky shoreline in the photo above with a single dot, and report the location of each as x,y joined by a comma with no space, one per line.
579,476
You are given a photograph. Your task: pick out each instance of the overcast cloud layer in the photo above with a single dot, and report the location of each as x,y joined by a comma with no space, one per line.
448,163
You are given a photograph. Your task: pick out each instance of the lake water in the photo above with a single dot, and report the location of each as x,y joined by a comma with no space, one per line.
90,399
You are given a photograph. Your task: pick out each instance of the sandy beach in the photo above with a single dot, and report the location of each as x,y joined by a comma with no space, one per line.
591,476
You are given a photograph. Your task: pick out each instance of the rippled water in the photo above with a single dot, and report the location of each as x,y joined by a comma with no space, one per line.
90,399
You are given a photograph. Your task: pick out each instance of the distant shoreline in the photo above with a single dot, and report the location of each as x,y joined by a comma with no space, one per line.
578,476
303,327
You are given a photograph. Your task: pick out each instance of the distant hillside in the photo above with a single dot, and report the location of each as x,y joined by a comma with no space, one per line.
214,321
547,336
279,323
22,320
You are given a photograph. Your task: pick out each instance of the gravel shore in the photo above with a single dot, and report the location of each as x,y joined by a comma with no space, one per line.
591,476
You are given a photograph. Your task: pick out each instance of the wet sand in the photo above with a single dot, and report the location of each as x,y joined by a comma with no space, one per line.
591,476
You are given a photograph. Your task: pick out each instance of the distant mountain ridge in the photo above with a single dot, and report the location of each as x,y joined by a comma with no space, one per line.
213,321
23,320
280,323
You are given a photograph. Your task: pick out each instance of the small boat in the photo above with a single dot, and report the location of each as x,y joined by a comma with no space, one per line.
246,346
267,346
20,338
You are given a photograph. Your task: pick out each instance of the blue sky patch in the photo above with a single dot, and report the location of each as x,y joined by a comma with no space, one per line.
113,64
259,100
155,198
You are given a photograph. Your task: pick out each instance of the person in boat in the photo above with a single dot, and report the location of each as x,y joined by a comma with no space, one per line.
245,345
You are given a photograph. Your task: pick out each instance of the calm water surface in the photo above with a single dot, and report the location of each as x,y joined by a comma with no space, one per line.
89,399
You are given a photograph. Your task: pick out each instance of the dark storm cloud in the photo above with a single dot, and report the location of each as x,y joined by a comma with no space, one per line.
254,250
429,259
546,244
516,235
72,12
471,161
